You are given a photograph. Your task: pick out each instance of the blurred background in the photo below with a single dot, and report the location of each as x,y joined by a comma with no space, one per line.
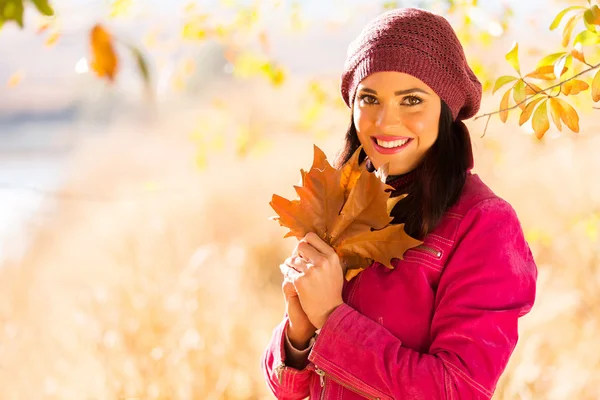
137,260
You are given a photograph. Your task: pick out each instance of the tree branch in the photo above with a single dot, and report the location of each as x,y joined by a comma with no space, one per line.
535,94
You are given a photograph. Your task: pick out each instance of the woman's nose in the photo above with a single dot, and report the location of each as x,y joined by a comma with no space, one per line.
388,117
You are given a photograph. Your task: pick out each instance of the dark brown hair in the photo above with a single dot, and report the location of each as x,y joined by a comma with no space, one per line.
438,180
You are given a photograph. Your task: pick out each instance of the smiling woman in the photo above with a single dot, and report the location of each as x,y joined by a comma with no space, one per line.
396,118
443,322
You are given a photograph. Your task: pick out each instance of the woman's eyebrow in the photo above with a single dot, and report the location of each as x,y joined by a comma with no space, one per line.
397,93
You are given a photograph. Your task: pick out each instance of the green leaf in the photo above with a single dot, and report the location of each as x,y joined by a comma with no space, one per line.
587,38
12,10
142,64
503,80
550,60
540,121
44,7
588,16
513,57
519,94
561,14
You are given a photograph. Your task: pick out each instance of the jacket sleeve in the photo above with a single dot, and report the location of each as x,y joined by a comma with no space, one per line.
486,285
285,382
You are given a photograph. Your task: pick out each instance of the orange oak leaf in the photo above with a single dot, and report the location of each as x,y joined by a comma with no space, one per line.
104,59
349,208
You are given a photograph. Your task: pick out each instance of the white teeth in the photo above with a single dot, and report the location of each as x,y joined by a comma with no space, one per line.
389,145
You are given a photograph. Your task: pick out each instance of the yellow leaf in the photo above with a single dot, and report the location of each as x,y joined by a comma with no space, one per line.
120,8
504,106
587,38
596,87
519,94
550,59
560,15
52,39
540,121
569,28
555,111
578,55
503,80
573,87
513,57
545,73
16,79
569,115
104,59
526,114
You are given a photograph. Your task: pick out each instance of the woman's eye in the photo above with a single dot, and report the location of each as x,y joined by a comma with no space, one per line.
413,100
368,99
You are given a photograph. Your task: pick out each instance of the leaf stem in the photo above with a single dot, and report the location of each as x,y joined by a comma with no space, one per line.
593,67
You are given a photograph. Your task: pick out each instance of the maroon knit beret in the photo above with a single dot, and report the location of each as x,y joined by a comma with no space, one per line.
419,43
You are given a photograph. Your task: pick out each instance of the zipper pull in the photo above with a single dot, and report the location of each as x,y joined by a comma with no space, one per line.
321,375
279,371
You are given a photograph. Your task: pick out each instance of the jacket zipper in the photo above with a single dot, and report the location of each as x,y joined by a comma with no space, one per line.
279,371
430,250
323,374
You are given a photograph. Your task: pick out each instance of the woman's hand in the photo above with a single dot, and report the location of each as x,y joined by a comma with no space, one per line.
300,329
317,276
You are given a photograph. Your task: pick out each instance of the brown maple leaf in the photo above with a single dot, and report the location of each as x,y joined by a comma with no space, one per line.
349,209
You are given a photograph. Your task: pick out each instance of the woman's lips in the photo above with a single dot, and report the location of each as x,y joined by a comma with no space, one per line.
393,150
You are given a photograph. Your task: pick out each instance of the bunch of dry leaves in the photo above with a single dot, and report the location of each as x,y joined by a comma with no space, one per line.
349,208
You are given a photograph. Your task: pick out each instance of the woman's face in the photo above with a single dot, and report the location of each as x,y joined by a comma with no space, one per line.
396,117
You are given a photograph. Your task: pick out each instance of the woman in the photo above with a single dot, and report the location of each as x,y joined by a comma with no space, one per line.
443,323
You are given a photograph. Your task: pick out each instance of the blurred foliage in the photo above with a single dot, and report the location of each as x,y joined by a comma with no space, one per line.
12,10
558,71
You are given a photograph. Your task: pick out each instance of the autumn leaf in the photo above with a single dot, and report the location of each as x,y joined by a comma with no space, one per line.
569,26
540,121
526,114
104,59
568,115
513,57
349,208
550,59
555,111
545,73
556,22
573,87
519,94
503,80
504,106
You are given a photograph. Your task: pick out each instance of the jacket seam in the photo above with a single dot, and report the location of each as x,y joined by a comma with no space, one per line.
425,263
473,383
471,209
441,239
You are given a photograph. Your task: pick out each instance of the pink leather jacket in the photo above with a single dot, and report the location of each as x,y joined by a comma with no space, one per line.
441,325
